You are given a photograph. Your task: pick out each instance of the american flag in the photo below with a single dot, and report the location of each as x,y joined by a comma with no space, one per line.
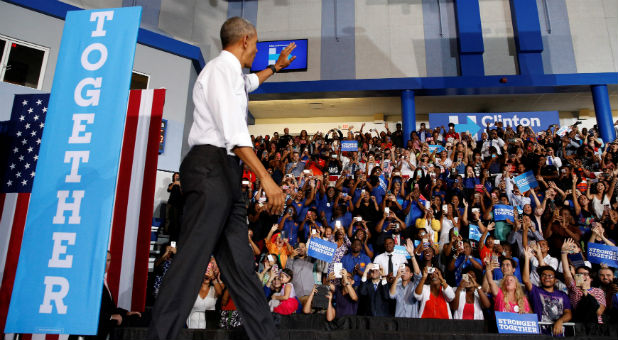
133,207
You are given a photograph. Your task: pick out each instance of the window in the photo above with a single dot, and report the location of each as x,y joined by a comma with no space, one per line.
139,81
22,63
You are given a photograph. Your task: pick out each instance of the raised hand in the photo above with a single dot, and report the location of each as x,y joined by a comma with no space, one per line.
284,61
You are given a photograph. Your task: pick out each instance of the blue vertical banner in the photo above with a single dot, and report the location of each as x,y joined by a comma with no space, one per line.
61,267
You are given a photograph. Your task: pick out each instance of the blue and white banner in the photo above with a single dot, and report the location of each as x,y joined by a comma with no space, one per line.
321,249
402,251
601,253
515,323
60,274
435,148
503,212
526,181
476,122
349,145
474,233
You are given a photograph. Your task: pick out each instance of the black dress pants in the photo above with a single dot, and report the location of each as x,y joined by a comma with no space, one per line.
214,222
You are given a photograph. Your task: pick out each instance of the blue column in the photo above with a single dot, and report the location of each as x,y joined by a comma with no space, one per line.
470,40
528,39
408,114
603,112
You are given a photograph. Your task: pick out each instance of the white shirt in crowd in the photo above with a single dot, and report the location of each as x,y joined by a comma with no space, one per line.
498,143
382,260
197,318
220,99
555,161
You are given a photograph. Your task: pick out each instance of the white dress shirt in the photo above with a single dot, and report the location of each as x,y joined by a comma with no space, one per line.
220,99
382,260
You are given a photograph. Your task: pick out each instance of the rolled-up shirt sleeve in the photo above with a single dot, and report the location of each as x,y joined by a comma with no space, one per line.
226,98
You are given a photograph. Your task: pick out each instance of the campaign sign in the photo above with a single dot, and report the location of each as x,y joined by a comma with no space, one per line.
515,323
349,145
503,212
601,253
538,121
59,279
321,249
526,181
435,148
402,251
474,233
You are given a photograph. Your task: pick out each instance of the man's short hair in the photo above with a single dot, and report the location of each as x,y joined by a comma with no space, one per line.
234,29
513,263
541,269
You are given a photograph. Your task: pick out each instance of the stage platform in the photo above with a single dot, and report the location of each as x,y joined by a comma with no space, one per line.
315,327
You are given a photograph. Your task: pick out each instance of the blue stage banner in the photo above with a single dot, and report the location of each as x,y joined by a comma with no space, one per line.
401,250
349,145
503,212
538,121
601,253
321,249
59,279
526,181
515,323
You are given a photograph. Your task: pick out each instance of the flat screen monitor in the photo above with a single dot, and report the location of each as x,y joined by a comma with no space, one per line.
268,52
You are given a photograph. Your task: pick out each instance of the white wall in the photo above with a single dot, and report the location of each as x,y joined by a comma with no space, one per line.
172,73
594,28
389,39
500,55
17,22
295,20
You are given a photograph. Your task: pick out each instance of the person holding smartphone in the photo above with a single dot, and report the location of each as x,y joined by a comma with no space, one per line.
588,302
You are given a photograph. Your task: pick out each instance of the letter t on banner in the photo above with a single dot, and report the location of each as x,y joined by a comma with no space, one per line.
59,279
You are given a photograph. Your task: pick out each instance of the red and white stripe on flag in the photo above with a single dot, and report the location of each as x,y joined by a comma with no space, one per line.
133,209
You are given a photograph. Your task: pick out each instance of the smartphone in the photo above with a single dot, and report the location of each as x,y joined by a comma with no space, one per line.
494,259
455,232
283,234
375,266
337,266
425,242
344,194
313,232
465,277
401,266
363,191
387,210
358,219
245,182
579,280
445,208
271,258
337,224
173,244
431,270
496,241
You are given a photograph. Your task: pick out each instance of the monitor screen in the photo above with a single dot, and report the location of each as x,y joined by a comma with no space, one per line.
268,52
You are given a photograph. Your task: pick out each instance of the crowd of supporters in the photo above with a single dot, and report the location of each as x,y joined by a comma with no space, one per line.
416,230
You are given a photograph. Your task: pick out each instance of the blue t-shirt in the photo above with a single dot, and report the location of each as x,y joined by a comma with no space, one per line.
349,261
498,275
461,263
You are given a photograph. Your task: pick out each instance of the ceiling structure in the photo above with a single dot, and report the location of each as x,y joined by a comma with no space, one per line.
391,106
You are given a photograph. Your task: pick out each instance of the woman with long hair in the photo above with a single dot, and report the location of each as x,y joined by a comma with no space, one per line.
509,296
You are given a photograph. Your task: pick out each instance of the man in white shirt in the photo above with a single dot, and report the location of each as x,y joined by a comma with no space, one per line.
389,260
215,215
494,141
